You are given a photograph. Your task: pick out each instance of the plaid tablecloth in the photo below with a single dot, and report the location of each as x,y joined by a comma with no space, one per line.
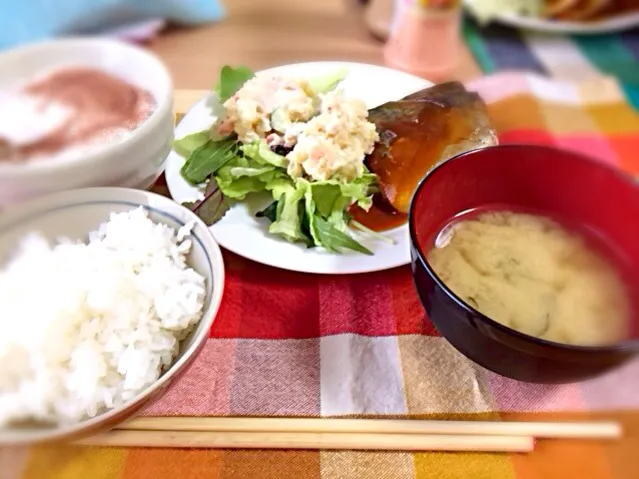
288,344
573,58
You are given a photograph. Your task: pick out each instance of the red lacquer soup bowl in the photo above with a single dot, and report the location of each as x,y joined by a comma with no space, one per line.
553,182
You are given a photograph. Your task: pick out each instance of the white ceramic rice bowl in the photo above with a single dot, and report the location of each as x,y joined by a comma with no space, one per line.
75,213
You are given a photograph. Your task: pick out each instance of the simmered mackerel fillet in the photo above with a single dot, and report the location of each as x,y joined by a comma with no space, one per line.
421,130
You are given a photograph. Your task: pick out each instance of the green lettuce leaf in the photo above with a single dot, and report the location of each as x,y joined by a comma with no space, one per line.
333,239
326,197
325,206
239,171
270,212
260,152
329,81
244,175
332,197
288,223
231,80
361,189
238,188
186,145
310,213
310,209
207,159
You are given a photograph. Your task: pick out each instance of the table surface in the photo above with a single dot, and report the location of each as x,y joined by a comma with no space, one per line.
267,33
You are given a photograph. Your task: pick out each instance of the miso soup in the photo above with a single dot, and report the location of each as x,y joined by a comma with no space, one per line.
530,273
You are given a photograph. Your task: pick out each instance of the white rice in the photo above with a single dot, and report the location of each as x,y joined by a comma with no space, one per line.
86,327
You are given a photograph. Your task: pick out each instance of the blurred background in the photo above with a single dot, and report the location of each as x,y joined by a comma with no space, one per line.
563,73
196,37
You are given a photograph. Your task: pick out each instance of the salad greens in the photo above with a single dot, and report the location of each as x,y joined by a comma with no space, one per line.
312,212
207,159
213,206
187,145
231,80
328,82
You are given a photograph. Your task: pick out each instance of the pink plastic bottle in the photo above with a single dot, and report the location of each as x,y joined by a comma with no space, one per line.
425,40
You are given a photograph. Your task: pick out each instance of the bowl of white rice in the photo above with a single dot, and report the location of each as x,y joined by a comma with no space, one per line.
106,296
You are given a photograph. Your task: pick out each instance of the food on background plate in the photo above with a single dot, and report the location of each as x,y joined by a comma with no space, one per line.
532,274
69,112
588,10
319,152
89,325
575,9
564,10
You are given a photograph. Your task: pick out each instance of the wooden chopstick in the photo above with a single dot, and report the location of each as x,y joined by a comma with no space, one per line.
311,440
579,430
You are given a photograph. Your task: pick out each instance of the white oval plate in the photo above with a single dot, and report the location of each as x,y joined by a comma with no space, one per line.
613,24
240,232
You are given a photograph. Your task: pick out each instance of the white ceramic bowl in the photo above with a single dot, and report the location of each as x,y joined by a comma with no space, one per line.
135,161
73,214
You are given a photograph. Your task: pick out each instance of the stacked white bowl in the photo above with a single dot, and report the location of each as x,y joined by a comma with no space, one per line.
134,161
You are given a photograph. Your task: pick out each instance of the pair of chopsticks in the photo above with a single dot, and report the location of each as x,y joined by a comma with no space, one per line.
345,434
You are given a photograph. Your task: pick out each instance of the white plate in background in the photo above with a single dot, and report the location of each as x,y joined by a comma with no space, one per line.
613,24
